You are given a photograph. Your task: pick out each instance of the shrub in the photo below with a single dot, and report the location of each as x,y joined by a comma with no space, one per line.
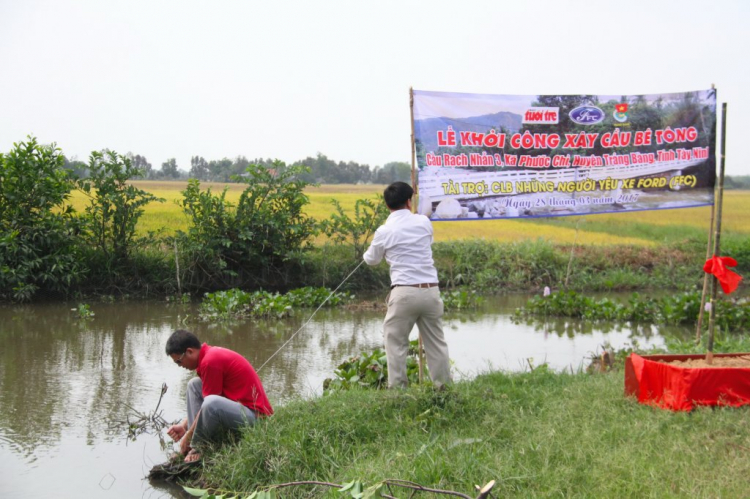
115,206
253,242
369,214
38,251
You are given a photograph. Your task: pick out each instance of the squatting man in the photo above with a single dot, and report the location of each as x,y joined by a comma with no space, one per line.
226,395
405,241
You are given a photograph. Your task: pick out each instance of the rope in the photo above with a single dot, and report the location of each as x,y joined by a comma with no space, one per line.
313,315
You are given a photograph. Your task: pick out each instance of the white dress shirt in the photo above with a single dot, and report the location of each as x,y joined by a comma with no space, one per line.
405,240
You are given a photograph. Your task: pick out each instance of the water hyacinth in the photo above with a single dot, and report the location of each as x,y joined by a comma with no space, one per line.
731,314
235,303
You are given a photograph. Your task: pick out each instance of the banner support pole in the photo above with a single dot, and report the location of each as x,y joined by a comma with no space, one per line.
705,275
413,209
717,235
709,245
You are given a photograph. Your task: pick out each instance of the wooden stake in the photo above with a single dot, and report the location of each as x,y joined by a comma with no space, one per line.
413,209
177,270
717,235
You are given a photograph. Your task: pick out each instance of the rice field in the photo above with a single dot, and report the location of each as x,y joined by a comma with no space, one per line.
638,228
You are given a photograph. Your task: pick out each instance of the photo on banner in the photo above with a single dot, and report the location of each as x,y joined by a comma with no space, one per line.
483,156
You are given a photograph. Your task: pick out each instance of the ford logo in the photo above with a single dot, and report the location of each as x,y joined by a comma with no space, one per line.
587,115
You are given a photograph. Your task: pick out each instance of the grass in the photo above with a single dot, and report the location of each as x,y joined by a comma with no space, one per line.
538,434
646,228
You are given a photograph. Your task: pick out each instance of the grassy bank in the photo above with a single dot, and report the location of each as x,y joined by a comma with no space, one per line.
538,434
610,252
530,265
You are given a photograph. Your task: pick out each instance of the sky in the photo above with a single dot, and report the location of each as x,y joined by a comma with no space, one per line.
291,79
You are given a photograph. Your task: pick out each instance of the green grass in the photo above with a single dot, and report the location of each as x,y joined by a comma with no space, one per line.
538,434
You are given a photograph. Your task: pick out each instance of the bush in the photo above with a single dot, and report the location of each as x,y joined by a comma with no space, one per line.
369,214
115,206
252,243
38,251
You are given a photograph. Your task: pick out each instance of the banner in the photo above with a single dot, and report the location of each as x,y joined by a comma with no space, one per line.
509,156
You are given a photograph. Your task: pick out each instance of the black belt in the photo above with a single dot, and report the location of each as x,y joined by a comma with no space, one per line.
422,285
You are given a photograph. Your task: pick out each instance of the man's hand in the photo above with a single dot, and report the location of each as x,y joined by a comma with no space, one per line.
177,431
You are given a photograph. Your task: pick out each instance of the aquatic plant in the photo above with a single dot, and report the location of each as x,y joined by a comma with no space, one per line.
370,370
83,311
461,299
235,303
732,314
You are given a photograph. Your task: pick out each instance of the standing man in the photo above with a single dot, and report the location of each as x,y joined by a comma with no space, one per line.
226,395
405,241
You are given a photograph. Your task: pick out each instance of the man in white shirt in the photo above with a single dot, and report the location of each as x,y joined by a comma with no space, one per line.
405,241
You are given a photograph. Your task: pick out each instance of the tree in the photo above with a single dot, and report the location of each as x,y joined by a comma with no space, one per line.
198,168
142,164
395,171
76,168
220,171
169,169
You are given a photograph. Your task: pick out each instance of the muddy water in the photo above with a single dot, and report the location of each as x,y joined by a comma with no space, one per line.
67,385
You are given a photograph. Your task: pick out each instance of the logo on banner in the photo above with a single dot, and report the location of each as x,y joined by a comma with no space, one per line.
587,115
542,115
621,113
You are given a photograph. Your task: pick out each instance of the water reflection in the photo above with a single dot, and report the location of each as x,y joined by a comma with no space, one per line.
570,328
63,382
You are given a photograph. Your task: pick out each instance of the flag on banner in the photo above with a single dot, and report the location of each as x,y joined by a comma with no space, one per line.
507,156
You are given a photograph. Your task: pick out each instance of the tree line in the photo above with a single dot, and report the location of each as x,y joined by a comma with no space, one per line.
323,170
48,249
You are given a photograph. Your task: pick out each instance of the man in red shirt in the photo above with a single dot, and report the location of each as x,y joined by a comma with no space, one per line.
226,395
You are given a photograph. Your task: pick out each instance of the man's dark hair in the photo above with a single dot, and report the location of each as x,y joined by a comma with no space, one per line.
397,194
180,341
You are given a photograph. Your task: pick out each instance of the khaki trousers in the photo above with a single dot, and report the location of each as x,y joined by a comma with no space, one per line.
421,306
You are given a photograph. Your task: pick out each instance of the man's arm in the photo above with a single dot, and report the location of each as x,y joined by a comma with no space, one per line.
185,442
376,251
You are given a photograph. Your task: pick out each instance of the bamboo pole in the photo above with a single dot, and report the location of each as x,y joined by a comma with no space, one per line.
414,186
717,235
705,275
708,255
413,147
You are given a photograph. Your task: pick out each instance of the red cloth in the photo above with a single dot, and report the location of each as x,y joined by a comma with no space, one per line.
717,265
229,374
681,388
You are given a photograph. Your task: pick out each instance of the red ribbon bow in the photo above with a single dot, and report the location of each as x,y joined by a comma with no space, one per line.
717,265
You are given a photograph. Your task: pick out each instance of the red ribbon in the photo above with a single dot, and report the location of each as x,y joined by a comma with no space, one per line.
717,265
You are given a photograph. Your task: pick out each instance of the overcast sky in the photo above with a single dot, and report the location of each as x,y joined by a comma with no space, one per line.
289,79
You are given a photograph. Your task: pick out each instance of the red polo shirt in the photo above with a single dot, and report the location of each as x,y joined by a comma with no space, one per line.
229,374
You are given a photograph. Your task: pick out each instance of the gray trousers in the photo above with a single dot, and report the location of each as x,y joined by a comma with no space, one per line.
218,415
421,306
